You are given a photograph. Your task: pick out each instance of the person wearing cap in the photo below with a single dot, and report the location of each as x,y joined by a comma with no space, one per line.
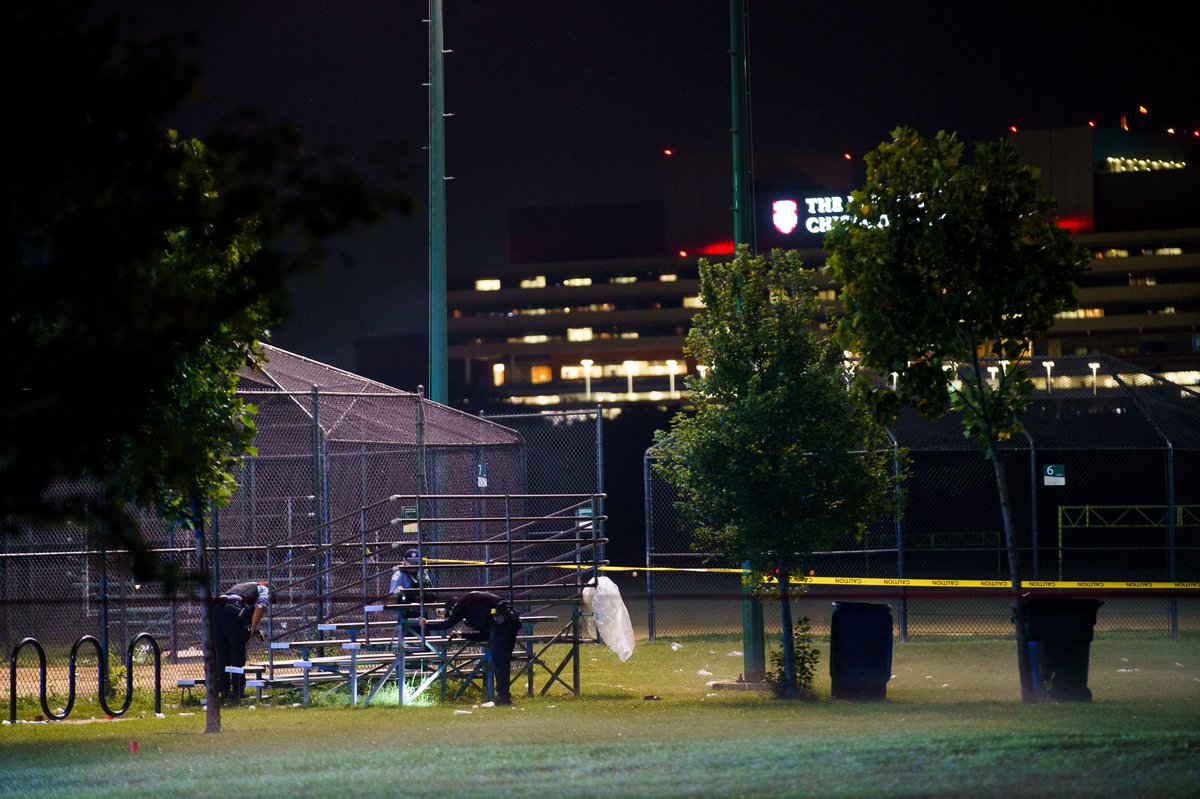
407,579
236,616
491,619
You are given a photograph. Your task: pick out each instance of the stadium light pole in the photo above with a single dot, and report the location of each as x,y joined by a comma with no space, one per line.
438,351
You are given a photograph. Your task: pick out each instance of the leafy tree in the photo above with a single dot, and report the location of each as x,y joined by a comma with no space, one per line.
944,264
776,460
140,269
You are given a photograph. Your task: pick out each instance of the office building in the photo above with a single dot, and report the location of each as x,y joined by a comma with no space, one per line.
593,302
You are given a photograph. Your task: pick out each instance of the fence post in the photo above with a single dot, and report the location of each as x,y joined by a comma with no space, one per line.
648,505
754,660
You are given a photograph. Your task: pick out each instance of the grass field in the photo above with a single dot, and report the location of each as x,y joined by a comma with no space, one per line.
952,725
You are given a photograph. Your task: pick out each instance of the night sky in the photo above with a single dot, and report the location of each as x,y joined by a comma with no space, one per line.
574,102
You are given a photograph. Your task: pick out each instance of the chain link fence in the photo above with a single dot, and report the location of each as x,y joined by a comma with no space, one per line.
332,448
1103,484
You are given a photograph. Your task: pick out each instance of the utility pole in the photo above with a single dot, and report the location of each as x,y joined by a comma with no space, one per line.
438,355
754,658
743,184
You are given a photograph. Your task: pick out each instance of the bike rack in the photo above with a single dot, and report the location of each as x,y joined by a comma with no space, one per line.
102,658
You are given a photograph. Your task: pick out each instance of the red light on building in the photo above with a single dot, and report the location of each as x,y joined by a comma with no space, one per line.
718,248
847,156
1076,224
668,152
1091,124
683,253
1012,128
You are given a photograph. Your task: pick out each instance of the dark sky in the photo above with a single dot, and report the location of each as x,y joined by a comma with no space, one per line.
558,101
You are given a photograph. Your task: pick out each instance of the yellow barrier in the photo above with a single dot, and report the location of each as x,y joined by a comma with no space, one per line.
893,582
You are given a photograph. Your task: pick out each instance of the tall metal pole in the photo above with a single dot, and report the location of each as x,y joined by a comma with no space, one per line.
438,356
753,637
743,203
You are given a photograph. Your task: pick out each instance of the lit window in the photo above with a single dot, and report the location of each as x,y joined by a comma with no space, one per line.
538,282
1142,280
1169,251
579,334
488,284
535,339
827,295
1114,253
540,374
668,278
629,335
622,279
577,281
497,374
1118,164
693,302
1081,313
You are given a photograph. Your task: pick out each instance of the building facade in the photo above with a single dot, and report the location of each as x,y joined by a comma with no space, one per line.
594,301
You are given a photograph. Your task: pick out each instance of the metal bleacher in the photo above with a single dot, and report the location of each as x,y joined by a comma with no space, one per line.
332,627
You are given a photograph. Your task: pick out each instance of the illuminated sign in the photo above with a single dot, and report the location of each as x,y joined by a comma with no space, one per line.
784,215
823,212
812,215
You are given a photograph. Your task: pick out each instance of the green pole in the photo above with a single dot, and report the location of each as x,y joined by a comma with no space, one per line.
743,204
438,357
754,658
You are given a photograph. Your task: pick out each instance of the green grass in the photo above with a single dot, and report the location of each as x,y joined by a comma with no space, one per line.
952,726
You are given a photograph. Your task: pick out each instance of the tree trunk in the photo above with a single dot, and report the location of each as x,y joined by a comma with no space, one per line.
1024,666
212,715
789,643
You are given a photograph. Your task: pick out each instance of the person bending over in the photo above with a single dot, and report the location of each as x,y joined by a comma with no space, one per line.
490,619
236,615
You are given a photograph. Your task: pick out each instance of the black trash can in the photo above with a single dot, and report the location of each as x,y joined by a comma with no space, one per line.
860,650
1060,631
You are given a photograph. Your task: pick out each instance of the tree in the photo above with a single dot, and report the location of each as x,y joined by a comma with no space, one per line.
944,264
776,460
140,271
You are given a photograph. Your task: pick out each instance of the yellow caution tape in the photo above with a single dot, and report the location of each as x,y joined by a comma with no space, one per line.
887,582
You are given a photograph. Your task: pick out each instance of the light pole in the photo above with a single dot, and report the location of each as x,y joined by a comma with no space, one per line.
671,364
992,370
629,367
586,363
1048,365
1094,366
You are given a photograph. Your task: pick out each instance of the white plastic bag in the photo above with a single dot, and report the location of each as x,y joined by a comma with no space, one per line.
609,617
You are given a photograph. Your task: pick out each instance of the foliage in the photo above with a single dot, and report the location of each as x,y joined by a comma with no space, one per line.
775,460
805,657
140,268
943,265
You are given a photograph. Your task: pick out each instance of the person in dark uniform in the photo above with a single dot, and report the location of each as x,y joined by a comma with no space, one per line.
407,580
491,619
236,615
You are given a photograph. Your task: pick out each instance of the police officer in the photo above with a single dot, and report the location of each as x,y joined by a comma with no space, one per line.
236,615
407,578
491,619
